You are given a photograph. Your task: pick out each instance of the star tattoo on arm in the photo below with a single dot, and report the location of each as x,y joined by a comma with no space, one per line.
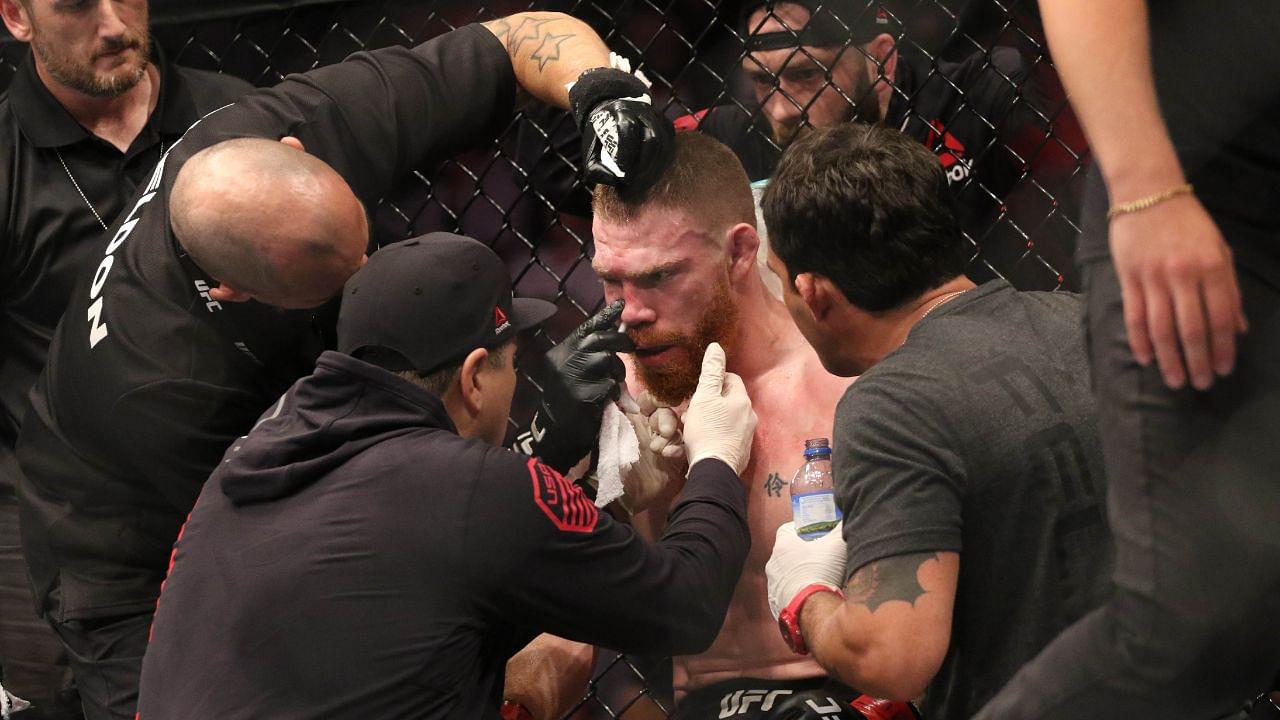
549,50
528,30
888,579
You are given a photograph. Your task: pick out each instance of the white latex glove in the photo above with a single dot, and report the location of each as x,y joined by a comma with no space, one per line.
662,454
719,422
797,563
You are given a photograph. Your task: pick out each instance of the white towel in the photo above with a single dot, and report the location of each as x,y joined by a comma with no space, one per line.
619,448
11,704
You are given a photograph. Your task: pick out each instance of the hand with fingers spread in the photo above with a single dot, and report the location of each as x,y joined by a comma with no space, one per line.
1182,305
719,422
584,373
661,466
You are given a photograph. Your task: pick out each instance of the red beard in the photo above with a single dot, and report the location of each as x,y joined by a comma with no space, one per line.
674,382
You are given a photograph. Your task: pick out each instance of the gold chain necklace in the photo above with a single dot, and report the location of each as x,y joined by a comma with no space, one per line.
944,299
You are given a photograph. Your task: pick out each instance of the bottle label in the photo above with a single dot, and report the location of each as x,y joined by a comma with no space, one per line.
815,513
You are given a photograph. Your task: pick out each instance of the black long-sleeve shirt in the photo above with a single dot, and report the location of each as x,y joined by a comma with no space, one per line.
149,380
353,557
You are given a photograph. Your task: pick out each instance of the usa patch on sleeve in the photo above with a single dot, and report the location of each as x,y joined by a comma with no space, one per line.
562,501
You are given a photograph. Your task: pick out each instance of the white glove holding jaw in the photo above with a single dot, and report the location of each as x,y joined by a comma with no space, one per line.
719,422
662,452
797,563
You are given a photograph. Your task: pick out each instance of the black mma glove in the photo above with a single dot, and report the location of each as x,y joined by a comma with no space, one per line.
584,373
625,141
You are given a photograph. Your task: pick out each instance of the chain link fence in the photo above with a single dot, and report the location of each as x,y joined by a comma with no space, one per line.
1018,183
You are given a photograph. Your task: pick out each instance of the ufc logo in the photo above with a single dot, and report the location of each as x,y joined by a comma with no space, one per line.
210,304
738,703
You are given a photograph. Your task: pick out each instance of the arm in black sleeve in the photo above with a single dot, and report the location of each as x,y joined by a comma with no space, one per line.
378,115
576,573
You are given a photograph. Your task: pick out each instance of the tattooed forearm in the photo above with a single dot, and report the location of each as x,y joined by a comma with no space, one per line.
549,49
532,34
525,33
893,578
500,28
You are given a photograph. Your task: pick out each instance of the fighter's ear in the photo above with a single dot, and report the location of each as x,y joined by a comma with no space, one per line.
293,142
883,50
470,383
819,294
16,17
226,293
743,244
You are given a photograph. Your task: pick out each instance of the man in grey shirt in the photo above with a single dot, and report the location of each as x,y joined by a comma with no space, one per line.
970,434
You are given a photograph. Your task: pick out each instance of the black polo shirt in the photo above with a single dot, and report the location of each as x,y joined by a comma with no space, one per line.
149,380
50,233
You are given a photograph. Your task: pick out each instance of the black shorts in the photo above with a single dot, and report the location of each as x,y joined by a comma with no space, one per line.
808,699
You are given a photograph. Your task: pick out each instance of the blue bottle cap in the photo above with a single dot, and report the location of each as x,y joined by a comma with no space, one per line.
817,446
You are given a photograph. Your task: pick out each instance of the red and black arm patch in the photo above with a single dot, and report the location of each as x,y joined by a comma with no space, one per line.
690,122
562,501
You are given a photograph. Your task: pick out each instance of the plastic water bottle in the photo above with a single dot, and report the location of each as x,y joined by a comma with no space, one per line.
813,497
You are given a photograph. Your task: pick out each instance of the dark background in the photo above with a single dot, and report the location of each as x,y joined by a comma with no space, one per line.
689,49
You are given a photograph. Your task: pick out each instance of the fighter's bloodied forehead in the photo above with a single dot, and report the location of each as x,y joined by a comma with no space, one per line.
830,23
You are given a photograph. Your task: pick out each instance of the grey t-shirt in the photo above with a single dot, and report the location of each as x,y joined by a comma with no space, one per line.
978,436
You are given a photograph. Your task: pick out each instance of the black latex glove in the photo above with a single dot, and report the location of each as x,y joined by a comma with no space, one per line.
626,142
583,373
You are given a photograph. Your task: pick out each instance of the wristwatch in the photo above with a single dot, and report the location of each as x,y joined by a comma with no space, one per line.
789,618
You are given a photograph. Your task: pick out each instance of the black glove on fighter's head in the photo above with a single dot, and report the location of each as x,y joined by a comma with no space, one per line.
625,141
584,372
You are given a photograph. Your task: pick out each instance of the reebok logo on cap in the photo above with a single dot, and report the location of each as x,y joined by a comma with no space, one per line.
500,321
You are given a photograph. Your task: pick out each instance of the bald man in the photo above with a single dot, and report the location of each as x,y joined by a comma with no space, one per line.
268,221
212,297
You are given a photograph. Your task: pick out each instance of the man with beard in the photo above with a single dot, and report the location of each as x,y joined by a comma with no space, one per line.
966,461
683,257
818,63
87,115
218,289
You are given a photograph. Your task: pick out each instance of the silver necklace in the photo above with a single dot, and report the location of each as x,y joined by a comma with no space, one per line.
76,185
945,298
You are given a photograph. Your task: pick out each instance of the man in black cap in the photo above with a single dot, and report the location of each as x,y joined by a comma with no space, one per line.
369,551
818,63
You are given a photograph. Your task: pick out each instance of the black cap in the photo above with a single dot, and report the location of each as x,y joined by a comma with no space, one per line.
831,23
425,303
